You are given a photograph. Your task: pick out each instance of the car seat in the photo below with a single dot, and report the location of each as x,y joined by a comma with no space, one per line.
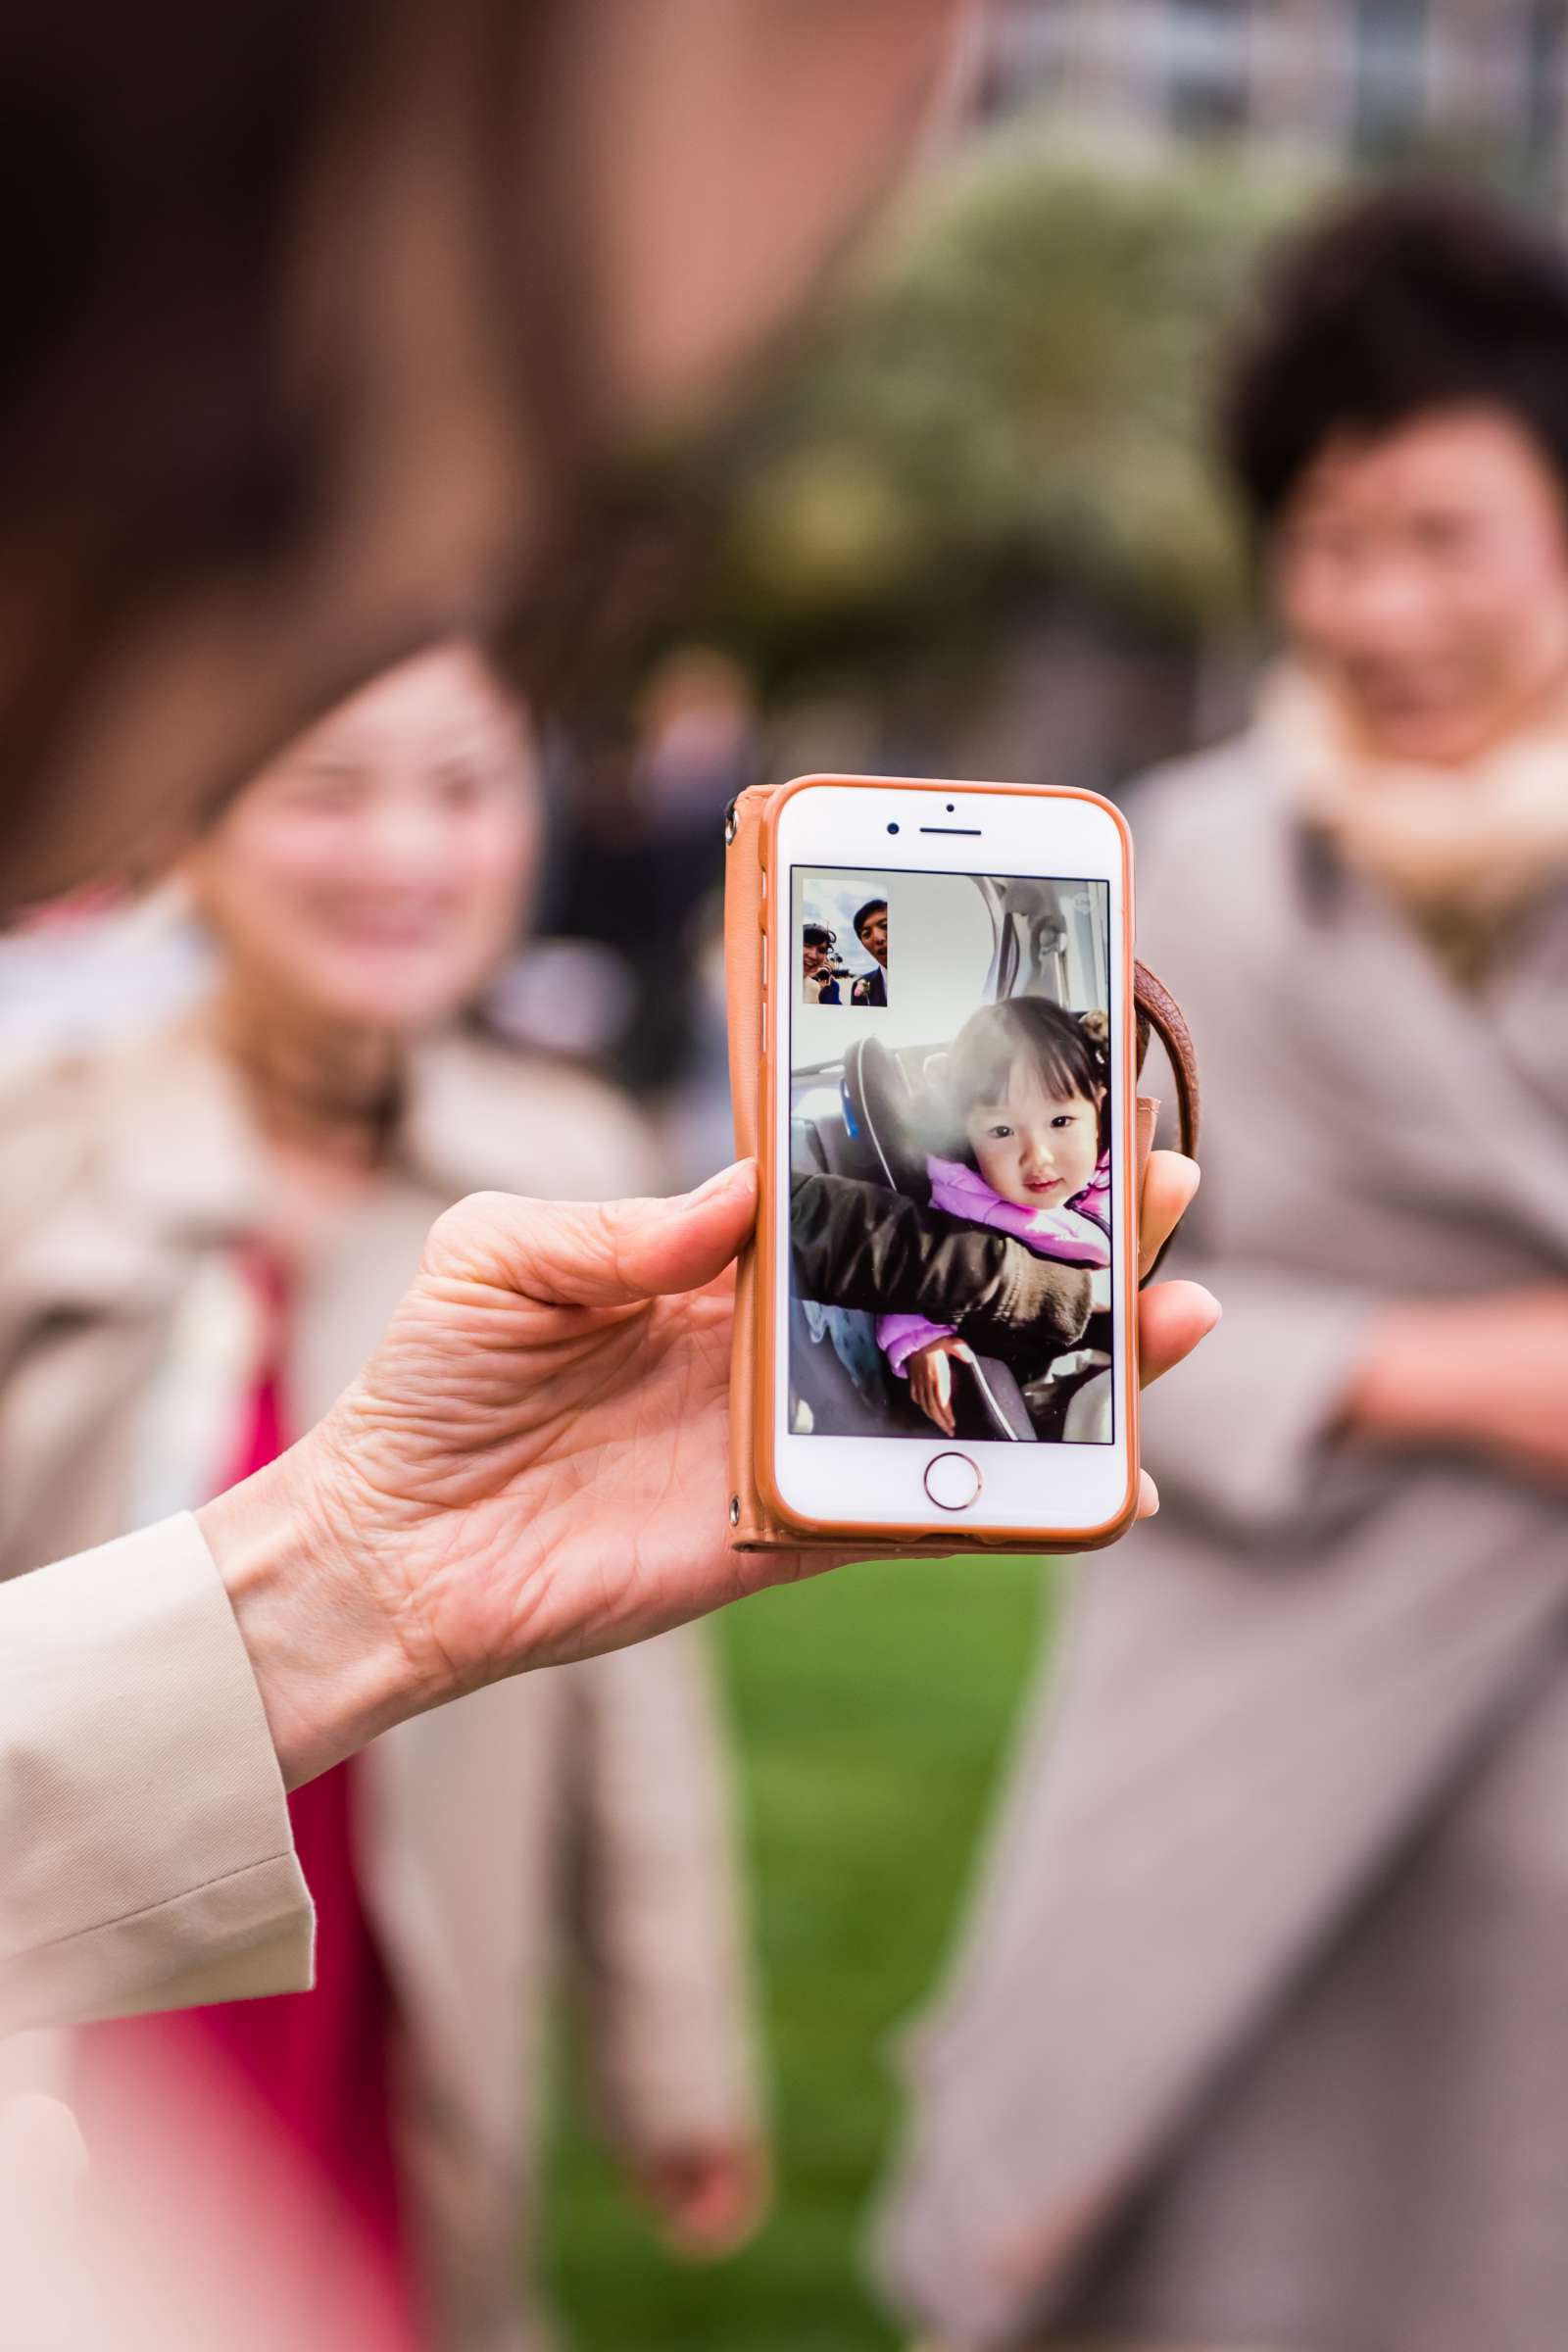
881,1106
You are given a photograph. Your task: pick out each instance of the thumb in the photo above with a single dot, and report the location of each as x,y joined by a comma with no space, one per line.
596,1253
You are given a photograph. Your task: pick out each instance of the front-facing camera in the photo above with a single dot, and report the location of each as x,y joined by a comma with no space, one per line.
893,828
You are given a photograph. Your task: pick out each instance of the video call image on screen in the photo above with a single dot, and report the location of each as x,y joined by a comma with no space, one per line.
949,1055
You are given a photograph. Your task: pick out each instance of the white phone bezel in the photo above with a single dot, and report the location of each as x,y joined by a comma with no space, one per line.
867,1484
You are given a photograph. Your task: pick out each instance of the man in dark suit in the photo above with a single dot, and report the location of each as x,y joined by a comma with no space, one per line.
871,930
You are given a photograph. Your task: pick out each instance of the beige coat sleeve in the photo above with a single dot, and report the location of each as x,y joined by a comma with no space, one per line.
146,1860
661,1953
1244,1436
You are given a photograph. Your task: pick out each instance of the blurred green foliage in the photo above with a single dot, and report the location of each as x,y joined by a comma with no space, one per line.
871,1709
1010,402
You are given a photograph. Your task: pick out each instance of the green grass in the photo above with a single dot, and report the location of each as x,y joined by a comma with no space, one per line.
872,1710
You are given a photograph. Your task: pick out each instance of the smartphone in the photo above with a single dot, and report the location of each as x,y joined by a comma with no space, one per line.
947,1286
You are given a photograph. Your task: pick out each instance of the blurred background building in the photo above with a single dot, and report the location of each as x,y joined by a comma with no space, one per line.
1369,82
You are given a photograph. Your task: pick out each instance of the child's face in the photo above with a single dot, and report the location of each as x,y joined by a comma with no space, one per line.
1035,1148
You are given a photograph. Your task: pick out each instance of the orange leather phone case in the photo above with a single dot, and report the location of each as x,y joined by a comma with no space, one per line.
757,1519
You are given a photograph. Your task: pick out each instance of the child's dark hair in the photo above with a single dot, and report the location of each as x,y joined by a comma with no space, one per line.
1070,1051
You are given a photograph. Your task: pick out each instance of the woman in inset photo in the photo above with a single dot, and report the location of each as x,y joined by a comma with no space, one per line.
820,978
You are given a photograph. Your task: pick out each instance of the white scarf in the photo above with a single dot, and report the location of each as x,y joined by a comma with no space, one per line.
1461,848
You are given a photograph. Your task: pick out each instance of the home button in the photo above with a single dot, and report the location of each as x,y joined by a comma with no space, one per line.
951,1481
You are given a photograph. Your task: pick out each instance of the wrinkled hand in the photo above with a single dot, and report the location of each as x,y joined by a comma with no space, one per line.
930,1376
532,1467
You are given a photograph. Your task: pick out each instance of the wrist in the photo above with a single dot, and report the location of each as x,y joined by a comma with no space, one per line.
1404,1390
329,1668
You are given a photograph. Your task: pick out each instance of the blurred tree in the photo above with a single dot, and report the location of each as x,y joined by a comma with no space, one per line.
1009,405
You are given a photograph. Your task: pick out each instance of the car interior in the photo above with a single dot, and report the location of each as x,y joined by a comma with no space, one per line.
860,1116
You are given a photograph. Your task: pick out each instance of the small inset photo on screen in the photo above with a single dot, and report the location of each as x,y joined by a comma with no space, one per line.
844,944
959,1112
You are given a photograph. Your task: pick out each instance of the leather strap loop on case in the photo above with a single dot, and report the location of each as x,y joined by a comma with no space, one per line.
755,1528
1158,1011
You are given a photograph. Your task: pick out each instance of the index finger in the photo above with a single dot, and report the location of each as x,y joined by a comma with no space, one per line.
1170,1180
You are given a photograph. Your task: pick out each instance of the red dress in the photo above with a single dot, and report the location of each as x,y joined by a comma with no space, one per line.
281,2110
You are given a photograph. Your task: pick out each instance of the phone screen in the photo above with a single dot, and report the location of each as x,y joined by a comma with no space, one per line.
947,1037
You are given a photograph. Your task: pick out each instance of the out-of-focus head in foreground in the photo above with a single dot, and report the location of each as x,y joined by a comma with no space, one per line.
336,318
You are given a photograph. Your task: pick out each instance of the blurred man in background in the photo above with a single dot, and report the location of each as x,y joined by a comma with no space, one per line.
642,862
1259,2040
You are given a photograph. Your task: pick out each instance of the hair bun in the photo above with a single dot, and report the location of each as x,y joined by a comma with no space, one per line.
1095,1026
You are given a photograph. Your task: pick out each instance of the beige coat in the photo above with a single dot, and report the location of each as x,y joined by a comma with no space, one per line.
585,1806
130,1881
1261,2036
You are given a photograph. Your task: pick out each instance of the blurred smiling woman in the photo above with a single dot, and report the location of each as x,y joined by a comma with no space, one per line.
205,1233
1259,2041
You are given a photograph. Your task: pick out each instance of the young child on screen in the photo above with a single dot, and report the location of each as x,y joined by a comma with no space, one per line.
1026,1090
